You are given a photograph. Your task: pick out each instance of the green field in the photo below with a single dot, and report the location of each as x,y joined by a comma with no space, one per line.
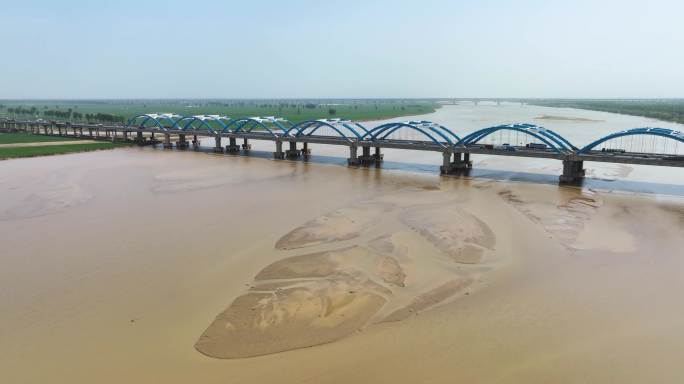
16,152
97,111
14,138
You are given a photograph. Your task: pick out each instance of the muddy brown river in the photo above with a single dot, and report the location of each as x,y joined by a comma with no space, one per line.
140,265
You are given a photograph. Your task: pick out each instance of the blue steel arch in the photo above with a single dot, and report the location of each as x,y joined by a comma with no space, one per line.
382,131
155,118
662,132
335,124
550,138
187,122
247,124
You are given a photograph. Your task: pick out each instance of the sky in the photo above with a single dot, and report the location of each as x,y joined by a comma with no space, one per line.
77,49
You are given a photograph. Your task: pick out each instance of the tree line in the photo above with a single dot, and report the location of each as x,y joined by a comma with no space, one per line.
67,115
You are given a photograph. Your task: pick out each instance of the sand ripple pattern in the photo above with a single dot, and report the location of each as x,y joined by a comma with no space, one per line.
565,218
382,260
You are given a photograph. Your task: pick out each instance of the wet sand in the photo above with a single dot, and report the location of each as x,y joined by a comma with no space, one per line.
140,265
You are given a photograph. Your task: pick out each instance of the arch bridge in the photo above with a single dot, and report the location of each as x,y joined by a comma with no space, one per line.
650,146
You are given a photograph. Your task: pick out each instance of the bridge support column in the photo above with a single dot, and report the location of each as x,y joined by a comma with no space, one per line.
181,143
460,165
80,130
366,159
195,142
232,146
125,135
152,139
573,171
113,136
353,158
279,154
217,146
59,129
446,163
461,161
139,138
306,152
378,156
293,152
167,141
90,132
246,146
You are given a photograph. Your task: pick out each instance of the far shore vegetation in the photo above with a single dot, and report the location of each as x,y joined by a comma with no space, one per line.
660,109
120,111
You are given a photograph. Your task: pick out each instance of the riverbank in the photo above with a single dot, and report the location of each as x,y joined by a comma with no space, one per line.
18,145
666,110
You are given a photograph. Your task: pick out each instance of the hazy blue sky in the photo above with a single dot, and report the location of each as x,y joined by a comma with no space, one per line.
299,48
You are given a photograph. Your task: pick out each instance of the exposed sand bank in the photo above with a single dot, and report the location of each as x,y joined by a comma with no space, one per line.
566,118
315,298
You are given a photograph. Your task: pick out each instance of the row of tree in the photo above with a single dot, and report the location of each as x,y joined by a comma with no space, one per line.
67,115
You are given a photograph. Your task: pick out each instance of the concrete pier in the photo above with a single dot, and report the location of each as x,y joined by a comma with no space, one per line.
293,152
246,146
378,155
217,144
459,165
232,147
279,154
353,159
573,171
181,143
167,141
306,151
366,158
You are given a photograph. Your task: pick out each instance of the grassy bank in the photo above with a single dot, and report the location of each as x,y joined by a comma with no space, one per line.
666,110
15,138
57,149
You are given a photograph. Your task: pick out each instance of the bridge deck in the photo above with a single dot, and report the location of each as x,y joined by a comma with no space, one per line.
417,145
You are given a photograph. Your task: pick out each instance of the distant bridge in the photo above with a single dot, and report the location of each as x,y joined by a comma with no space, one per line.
519,140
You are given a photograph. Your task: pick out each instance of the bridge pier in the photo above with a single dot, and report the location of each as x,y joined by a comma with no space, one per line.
293,152
195,142
378,156
306,152
246,146
279,154
366,159
353,159
573,171
181,143
139,138
125,135
232,147
460,164
217,144
167,141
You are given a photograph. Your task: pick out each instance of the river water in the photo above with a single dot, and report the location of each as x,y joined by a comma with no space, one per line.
141,265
